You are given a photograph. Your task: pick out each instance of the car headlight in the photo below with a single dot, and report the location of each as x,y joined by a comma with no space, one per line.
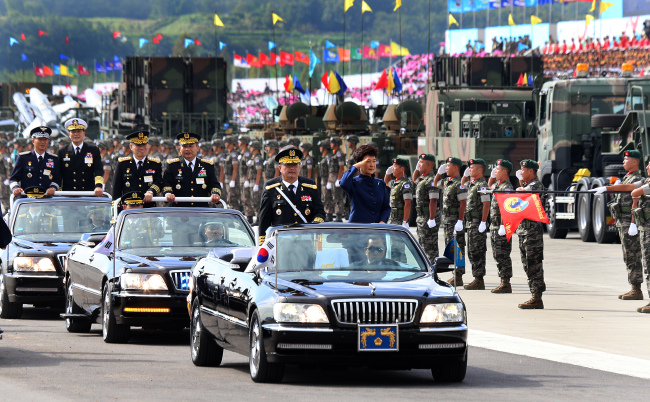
33,264
143,282
445,312
296,312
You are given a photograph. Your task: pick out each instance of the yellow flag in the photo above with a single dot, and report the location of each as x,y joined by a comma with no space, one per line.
604,6
397,50
334,86
347,4
217,21
398,4
589,18
64,70
593,7
365,7
276,18
391,82
452,20
534,20
525,79
510,20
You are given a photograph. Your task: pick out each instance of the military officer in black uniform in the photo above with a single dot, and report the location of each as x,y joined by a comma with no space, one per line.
81,164
36,168
189,176
138,172
302,193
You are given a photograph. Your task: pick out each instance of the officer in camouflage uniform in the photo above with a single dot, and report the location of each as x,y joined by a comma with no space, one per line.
307,163
255,166
641,216
325,186
219,160
401,194
501,247
6,167
271,167
454,200
107,165
244,157
231,169
531,240
352,142
476,214
427,196
336,170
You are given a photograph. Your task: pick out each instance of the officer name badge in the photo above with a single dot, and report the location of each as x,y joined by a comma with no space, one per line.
67,158
148,179
88,158
200,180
49,164
46,172
305,198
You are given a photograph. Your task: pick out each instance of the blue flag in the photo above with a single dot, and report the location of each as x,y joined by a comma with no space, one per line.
313,61
530,80
23,57
374,44
99,68
329,44
341,84
271,45
188,42
12,41
63,56
57,69
459,261
108,66
330,56
398,83
522,47
297,86
222,45
144,41
117,63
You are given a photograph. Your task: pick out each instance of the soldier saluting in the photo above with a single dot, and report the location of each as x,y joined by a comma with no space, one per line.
36,168
81,164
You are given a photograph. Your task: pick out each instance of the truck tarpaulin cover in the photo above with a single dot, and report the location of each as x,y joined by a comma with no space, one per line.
516,207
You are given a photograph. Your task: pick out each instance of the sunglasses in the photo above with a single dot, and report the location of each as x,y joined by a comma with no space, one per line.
375,249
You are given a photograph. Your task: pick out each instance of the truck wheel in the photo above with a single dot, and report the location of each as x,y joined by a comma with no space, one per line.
553,231
607,120
599,214
585,226
614,170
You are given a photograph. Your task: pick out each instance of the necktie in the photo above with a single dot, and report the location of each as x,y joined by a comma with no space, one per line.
40,161
139,165
291,189
291,193
77,151
189,165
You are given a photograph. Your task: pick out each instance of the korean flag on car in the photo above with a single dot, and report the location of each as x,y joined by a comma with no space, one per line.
264,257
106,246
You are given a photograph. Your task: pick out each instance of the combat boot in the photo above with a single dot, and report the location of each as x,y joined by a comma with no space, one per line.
645,309
535,302
504,287
634,294
456,281
476,284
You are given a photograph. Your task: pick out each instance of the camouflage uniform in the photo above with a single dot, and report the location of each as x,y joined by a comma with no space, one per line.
476,241
400,190
326,195
426,190
338,195
642,220
269,167
453,193
255,164
219,166
6,167
247,202
108,166
531,246
621,209
501,247
307,163
231,163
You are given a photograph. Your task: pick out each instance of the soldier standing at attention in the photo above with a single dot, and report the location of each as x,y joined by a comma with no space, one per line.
642,219
401,194
271,167
81,165
255,165
231,168
352,142
244,156
336,170
454,200
6,166
476,214
107,165
531,240
37,168
325,185
219,160
307,163
426,197
501,247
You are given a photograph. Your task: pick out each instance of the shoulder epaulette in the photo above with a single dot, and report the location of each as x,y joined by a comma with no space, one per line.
153,159
273,186
22,215
312,186
173,160
52,155
50,215
25,153
209,162
123,158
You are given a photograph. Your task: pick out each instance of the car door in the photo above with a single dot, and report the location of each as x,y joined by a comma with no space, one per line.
240,286
210,290
77,267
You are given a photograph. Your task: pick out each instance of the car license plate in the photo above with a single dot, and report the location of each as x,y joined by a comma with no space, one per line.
378,338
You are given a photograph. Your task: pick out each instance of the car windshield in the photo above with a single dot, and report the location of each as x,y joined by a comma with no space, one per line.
60,221
347,255
181,233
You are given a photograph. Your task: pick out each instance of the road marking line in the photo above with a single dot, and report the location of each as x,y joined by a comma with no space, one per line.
592,359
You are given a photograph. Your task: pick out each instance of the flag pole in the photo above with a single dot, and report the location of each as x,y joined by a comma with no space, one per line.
343,61
277,87
429,47
309,84
361,86
216,70
401,63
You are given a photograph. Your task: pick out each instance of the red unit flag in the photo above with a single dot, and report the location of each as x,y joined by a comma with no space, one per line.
115,34
301,57
22,36
41,33
38,71
384,51
515,207
253,61
82,70
370,53
286,58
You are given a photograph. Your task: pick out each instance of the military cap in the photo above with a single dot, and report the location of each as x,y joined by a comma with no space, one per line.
306,145
132,198
373,144
138,137
282,144
118,137
289,154
35,192
427,157
336,141
219,143
455,161
75,123
352,138
256,144
95,207
324,144
506,164
230,140
295,141
3,143
244,138
530,164
272,144
21,142
125,143
401,162
634,154
103,145
41,132
215,136
476,161
206,146
188,138
154,141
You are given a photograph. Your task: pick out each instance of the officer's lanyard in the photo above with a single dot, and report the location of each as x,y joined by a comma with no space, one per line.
291,203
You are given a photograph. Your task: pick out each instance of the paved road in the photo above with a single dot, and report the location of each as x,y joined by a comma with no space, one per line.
578,346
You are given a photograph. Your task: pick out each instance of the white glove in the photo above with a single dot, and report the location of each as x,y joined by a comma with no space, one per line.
494,173
458,227
618,181
417,167
519,175
405,225
338,183
232,183
247,184
6,182
256,188
442,168
466,172
221,184
431,223
502,230
482,227
389,170
598,190
329,186
633,231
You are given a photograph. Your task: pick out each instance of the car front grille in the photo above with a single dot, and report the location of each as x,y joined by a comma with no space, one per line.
181,279
375,311
62,258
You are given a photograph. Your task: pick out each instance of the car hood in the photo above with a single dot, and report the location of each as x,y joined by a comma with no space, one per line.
44,247
158,262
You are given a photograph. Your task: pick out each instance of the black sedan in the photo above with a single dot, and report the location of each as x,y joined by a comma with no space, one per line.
138,275
43,231
329,294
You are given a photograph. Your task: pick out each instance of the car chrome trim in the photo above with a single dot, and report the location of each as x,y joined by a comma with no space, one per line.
374,311
22,289
127,294
226,317
46,276
280,327
461,327
177,278
86,289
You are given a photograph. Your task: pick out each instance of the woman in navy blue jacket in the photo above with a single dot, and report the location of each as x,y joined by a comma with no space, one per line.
369,197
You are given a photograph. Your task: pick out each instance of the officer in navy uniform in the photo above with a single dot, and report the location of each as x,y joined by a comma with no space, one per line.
138,172
189,176
36,168
81,163
301,191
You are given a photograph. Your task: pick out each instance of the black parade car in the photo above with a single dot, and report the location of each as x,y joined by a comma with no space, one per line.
328,294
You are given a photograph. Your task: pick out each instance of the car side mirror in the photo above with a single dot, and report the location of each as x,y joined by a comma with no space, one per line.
443,264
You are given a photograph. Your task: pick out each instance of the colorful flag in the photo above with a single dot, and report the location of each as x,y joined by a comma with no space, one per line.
23,57
589,18
313,61
286,58
515,207
391,83
83,71
271,45
374,44
454,253
347,4
520,81
530,80
398,4
63,56
107,245
511,21
197,42
253,61
330,56
12,41
240,62
155,40
64,70
108,66
333,86
301,57
276,18
47,71
382,82
41,33
534,20
117,64
356,53
397,50
397,82
67,41
325,80
384,50
604,6
288,84
115,34
452,21
365,7
143,42
264,59
99,68
525,79
329,44
370,53
265,256
593,6
22,36
297,86
217,21
73,71
159,36
187,42
344,54
341,84
222,45
57,70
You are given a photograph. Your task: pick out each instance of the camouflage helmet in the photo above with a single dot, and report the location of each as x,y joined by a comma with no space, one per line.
273,144
244,138
306,145
282,144
219,143
295,141
3,143
256,145
103,145
336,141
324,144
352,138
205,146
230,140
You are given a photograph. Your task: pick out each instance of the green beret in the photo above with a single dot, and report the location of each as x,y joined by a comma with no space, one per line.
634,154
427,157
506,164
477,161
455,161
401,162
530,164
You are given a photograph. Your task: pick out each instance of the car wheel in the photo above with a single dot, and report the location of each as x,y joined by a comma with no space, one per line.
7,308
453,371
205,351
261,369
111,331
71,324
